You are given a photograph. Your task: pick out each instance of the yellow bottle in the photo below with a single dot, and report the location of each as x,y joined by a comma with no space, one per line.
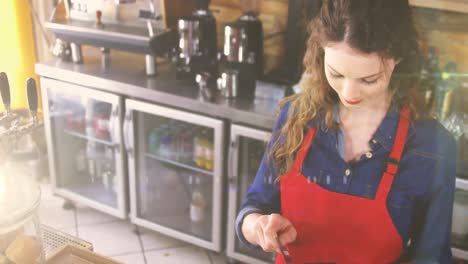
199,150
447,104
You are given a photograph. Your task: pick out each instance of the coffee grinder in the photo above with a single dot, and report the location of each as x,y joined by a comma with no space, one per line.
197,43
243,53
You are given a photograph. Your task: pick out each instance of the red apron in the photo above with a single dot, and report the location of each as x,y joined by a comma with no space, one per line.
339,228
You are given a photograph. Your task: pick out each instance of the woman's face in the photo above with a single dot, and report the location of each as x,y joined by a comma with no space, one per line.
361,80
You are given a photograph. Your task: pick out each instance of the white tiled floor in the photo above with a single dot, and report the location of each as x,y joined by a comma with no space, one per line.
119,239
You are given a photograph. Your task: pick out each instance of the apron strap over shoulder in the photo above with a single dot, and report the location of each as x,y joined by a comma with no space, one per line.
302,153
400,141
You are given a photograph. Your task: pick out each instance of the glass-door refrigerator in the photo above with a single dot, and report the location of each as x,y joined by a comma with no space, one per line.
83,130
176,171
245,154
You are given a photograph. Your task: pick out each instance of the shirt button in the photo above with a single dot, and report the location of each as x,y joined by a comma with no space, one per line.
347,172
369,155
374,141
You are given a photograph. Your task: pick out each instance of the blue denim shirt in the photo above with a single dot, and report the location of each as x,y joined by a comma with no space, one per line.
421,199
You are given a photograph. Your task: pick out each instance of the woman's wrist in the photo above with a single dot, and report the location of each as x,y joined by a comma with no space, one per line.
248,229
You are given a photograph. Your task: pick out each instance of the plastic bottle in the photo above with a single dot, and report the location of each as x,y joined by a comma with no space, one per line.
447,91
175,129
199,150
89,114
100,119
80,158
164,141
91,154
186,146
198,204
153,141
427,76
209,151
107,162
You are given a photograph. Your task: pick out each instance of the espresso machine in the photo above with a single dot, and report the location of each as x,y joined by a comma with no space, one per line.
139,26
197,49
242,56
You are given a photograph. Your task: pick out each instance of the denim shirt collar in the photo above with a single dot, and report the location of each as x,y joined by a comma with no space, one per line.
385,133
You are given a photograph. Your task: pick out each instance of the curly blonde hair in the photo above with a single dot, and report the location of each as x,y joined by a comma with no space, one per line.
380,26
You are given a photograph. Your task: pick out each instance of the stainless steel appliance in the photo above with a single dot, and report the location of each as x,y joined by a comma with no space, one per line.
197,43
175,172
242,54
140,26
228,83
245,154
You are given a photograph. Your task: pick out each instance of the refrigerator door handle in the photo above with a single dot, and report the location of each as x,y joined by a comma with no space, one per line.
126,131
114,126
232,152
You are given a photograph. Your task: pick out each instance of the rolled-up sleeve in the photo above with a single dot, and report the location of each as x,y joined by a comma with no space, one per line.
263,195
432,243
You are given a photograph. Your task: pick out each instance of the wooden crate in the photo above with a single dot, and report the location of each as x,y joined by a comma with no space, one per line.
71,254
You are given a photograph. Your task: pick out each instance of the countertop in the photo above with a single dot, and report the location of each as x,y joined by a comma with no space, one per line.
125,75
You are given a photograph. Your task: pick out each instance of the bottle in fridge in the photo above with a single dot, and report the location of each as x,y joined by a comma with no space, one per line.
198,203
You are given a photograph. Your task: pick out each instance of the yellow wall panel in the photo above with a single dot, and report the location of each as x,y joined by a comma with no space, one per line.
17,52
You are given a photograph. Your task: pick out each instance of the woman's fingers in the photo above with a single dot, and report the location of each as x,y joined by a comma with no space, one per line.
269,227
286,231
288,235
267,234
273,231
260,237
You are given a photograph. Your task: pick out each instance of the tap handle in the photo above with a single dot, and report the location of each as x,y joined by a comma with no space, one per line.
32,96
5,91
99,18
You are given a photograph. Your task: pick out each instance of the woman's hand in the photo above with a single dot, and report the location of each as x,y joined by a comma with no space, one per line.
264,230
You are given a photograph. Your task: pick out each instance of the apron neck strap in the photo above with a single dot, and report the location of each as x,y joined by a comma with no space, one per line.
395,156
400,141
302,153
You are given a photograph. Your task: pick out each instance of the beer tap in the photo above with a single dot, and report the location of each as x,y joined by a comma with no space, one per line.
18,126
5,91
8,117
32,99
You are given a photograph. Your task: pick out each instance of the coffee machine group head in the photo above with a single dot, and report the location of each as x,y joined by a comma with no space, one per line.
197,43
243,56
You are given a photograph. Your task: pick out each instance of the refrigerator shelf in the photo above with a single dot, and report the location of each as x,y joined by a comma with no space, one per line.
179,164
459,253
79,135
462,184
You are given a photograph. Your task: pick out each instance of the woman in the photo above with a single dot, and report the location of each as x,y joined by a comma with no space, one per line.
356,171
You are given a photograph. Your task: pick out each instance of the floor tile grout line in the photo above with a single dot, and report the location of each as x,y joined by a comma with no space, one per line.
99,223
209,257
141,244
165,248
106,222
125,253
